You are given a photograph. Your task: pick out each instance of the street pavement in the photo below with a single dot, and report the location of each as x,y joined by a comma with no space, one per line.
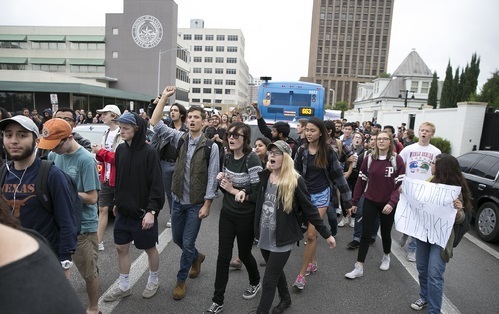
471,278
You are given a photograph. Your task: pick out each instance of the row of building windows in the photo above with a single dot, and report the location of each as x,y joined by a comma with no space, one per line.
51,45
211,37
54,68
217,71
218,48
349,72
210,81
358,16
209,90
351,3
217,59
207,101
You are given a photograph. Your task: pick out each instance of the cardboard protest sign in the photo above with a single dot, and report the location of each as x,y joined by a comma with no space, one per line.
426,211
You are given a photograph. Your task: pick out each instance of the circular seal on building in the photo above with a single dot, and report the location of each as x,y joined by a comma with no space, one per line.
147,31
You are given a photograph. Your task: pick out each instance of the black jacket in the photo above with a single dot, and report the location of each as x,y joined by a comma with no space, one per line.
287,228
139,183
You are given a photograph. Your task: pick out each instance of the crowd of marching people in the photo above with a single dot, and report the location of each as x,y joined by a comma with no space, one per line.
275,192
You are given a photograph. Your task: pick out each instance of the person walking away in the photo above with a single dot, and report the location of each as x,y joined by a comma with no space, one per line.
140,196
282,194
382,180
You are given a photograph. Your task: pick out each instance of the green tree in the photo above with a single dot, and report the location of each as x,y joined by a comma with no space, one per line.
446,98
343,106
474,72
456,91
490,91
433,94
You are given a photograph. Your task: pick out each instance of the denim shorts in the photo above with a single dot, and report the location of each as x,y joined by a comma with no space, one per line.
321,199
128,229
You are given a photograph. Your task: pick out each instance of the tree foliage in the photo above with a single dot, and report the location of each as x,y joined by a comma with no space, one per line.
490,91
446,98
343,106
433,94
462,86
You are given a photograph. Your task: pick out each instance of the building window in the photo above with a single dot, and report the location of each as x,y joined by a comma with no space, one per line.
230,71
116,31
425,87
206,101
208,59
208,48
196,90
115,54
219,60
208,70
198,48
207,81
196,100
218,91
196,70
220,48
230,82
198,37
231,60
187,37
219,70
196,81
414,86
219,82
197,59
232,37
221,37
231,49
229,91
206,90
208,37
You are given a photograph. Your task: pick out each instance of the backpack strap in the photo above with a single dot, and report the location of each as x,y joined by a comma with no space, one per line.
3,172
41,186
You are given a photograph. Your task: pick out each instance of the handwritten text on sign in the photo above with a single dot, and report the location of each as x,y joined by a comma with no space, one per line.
425,210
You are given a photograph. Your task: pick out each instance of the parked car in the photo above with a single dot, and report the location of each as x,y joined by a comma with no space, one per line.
481,170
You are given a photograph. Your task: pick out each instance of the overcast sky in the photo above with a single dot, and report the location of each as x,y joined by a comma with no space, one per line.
277,32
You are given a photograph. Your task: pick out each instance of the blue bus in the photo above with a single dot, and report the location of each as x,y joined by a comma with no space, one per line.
290,101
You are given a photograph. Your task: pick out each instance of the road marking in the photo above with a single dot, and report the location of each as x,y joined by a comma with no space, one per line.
482,245
139,266
400,253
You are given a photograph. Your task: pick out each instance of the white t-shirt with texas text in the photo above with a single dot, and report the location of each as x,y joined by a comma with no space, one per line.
418,159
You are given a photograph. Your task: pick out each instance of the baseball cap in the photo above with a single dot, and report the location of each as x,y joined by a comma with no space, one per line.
54,130
110,108
281,145
127,118
25,122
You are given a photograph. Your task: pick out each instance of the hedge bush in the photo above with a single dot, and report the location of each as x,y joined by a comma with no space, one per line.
440,143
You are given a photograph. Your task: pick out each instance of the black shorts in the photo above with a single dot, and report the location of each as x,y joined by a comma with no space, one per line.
106,195
128,229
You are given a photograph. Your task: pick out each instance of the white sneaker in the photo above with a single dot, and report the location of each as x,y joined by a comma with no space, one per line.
343,222
357,272
352,222
385,262
169,223
411,256
101,246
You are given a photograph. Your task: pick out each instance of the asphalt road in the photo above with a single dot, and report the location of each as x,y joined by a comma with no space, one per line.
471,278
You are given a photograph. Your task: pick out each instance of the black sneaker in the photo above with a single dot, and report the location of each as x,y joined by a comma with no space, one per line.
353,245
214,308
371,242
419,304
251,292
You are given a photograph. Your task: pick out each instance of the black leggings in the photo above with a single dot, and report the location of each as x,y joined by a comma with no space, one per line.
274,277
370,212
231,226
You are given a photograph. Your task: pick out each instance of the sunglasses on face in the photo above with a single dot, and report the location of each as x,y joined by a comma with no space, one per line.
234,135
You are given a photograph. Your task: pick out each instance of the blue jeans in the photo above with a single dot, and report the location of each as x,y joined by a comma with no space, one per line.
167,169
185,229
357,230
411,247
431,268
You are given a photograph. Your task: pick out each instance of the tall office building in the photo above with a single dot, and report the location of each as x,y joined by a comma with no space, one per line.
349,44
219,73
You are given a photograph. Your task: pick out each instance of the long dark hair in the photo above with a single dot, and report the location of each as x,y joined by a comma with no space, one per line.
448,171
323,148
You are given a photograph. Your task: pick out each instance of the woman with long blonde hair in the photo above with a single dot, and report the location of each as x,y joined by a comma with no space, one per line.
282,194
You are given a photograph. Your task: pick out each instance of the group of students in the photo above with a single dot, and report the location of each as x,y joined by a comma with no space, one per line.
264,190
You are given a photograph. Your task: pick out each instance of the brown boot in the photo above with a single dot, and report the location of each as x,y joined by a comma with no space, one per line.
179,291
196,266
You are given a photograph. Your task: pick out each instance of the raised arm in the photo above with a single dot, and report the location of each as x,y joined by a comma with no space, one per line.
157,114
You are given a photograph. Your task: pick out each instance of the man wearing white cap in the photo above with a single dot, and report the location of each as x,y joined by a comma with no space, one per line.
105,154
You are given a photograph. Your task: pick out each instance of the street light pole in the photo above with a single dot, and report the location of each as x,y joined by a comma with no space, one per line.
332,96
406,91
159,62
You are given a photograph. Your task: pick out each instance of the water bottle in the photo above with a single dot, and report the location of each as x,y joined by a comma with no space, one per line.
355,162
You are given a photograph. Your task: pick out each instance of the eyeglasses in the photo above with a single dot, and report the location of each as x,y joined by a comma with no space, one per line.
68,119
64,140
275,153
234,135
383,139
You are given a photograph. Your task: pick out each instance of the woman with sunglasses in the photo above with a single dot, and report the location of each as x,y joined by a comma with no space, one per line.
384,171
281,195
239,183
431,259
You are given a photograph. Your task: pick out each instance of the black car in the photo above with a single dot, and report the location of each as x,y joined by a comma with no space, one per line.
481,170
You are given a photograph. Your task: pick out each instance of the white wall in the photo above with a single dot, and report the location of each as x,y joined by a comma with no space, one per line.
462,126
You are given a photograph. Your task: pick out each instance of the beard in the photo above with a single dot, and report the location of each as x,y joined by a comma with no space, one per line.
24,155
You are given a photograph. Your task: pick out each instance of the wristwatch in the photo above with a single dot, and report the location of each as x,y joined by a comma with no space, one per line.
153,212
66,264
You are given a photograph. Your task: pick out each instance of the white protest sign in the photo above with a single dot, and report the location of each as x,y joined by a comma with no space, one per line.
426,211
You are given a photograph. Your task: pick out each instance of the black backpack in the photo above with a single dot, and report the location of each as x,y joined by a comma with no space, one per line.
43,195
461,229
